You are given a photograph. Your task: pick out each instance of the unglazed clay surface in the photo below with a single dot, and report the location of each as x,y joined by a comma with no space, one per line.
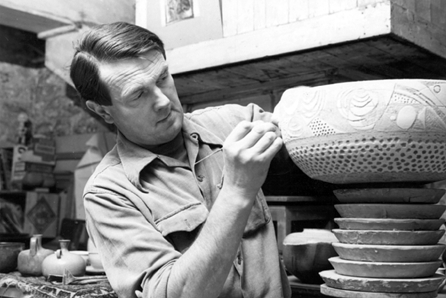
389,224
403,211
333,292
367,131
384,269
389,253
381,237
390,195
306,253
332,279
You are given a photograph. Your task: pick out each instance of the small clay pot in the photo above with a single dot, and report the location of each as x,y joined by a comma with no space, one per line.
305,254
8,255
30,260
62,260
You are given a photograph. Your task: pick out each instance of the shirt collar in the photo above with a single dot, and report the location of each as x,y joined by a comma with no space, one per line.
135,158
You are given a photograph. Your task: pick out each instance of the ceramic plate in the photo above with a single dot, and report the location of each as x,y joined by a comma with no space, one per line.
389,253
389,224
390,195
385,269
381,237
383,285
407,211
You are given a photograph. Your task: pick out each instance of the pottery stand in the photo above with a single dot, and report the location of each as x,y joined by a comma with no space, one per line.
389,135
386,248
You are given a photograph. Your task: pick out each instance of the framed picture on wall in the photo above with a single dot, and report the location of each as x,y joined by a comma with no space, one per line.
177,10
181,22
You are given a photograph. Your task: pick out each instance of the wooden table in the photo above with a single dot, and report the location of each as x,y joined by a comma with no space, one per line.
39,287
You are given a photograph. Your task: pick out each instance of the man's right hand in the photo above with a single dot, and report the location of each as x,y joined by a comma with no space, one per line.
248,152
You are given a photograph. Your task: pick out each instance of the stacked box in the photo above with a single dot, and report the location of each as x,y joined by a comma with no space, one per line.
40,159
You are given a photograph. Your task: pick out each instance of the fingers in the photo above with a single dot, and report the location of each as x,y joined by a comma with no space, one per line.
259,136
239,132
260,130
275,120
268,145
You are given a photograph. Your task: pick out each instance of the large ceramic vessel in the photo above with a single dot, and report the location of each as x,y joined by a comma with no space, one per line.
367,131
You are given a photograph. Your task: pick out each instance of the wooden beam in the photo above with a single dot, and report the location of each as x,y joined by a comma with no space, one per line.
56,31
311,33
32,21
258,88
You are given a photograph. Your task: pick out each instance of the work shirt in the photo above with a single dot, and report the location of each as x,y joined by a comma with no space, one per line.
144,210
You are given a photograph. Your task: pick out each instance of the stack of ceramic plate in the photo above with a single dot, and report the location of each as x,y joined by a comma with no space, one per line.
388,243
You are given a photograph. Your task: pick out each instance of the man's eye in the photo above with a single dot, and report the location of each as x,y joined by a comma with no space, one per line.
162,78
139,95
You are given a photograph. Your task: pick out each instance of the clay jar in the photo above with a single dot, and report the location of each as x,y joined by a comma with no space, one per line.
63,259
29,262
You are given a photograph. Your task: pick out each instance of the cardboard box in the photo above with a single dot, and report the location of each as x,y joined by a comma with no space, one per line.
24,161
42,211
45,149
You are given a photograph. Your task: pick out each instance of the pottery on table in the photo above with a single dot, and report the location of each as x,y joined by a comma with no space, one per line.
367,131
389,253
9,252
403,211
385,269
306,253
30,260
83,254
63,260
383,237
95,260
390,195
383,285
389,224
94,256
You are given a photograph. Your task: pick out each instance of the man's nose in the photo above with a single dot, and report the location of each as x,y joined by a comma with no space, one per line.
161,101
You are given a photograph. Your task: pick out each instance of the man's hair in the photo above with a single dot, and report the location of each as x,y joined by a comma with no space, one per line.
108,43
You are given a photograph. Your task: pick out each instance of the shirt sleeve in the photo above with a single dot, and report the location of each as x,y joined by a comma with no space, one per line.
134,253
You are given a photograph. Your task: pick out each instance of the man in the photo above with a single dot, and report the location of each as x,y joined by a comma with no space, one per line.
175,208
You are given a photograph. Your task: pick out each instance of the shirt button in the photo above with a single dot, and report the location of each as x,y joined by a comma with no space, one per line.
200,178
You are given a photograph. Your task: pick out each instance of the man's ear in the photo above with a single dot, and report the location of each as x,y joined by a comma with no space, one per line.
100,110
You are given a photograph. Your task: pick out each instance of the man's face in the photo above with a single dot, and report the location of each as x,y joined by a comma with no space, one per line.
145,104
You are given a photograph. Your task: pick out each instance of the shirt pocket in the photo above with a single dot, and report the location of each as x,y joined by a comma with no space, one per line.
184,219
